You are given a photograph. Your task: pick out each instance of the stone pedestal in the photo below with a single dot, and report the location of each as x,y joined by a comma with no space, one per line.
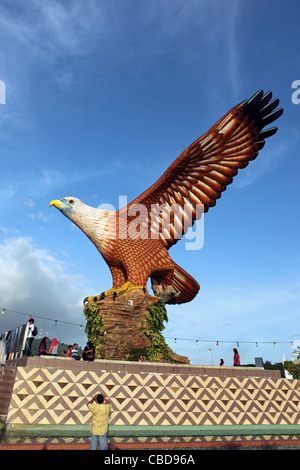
122,321
53,392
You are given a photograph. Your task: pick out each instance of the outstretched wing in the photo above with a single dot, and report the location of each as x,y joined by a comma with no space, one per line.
202,172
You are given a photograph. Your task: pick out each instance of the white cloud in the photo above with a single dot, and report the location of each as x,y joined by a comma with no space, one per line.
57,27
41,216
7,191
58,32
33,281
28,202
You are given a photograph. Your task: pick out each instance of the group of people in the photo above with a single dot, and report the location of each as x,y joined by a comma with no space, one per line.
236,359
43,347
87,355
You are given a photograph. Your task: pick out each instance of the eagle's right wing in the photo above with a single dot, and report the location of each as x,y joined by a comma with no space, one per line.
202,172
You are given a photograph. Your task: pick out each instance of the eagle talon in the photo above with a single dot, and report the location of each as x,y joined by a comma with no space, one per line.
114,292
93,298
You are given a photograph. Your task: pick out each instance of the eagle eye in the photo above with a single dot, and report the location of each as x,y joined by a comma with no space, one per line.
71,201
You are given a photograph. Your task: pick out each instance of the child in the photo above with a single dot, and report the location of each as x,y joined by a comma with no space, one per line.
75,352
69,352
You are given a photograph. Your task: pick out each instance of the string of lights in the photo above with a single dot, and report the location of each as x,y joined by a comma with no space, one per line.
4,310
196,341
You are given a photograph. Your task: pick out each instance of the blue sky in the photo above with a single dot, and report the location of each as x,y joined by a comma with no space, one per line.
101,97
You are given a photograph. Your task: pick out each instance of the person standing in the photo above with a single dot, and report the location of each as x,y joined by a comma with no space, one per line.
100,408
43,347
236,358
30,337
54,347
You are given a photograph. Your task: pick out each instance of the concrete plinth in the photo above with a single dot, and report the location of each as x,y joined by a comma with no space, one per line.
54,392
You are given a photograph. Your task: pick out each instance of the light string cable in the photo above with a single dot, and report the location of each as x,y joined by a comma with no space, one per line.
4,310
228,341
175,339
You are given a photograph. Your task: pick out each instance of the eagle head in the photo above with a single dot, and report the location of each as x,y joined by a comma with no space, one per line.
67,205
93,222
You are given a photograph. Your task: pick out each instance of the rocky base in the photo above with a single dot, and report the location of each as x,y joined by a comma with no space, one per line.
122,320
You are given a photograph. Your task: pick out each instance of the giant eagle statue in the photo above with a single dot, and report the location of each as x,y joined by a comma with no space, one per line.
195,179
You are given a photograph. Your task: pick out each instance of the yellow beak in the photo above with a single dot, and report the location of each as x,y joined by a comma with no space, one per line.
58,204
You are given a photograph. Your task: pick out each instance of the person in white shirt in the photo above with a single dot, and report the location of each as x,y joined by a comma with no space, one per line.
75,352
29,338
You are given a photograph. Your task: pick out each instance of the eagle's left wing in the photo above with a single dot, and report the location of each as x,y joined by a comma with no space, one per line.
202,172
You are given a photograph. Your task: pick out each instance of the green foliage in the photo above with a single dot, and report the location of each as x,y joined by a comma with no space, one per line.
155,324
158,314
276,366
137,354
293,368
94,328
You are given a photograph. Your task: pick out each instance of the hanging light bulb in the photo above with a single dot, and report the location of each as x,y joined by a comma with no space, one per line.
80,327
217,343
274,345
197,343
257,345
175,340
55,322
3,311
237,344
